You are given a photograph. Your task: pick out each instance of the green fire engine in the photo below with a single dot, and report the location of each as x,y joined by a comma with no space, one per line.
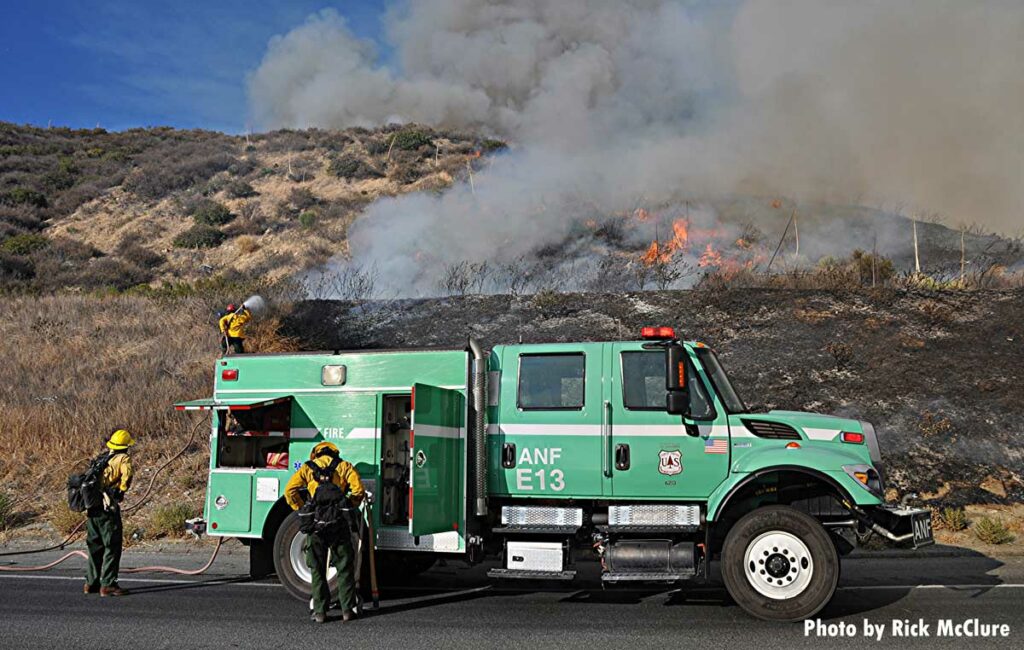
641,451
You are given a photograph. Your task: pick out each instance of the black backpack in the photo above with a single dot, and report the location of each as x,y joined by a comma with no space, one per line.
327,512
85,491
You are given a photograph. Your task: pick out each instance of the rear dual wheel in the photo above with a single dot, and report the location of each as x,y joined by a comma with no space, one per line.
779,564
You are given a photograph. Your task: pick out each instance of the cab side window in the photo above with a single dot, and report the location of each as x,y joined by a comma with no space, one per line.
643,381
551,381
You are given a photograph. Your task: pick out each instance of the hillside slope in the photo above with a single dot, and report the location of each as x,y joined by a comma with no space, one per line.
92,209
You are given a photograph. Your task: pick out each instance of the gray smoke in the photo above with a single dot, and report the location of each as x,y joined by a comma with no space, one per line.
611,105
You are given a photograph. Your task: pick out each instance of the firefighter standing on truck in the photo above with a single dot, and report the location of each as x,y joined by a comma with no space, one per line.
232,328
104,535
334,491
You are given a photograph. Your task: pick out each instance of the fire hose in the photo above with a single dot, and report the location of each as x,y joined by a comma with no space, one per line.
132,508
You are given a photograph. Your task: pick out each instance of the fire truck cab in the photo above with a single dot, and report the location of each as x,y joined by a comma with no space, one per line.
640,452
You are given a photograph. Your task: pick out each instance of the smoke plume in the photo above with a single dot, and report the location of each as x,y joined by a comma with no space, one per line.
613,105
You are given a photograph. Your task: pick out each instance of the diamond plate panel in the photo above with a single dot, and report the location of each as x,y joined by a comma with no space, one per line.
541,516
653,514
392,538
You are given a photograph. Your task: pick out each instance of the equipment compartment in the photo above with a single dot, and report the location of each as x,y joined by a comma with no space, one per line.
394,461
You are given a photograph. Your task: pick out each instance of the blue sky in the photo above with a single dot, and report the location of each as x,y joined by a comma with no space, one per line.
123,64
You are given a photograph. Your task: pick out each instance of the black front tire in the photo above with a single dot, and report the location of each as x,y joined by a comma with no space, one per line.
786,523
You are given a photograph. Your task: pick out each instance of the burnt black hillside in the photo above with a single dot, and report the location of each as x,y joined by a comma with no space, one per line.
938,373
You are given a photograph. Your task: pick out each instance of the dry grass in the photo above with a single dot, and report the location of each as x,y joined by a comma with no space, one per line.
84,365
247,244
265,336
79,366
63,518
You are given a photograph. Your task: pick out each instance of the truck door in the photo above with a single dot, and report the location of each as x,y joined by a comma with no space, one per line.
549,426
652,455
437,455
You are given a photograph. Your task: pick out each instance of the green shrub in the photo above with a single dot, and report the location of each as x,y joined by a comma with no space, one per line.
24,244
490,145
200,236
352,167
307,219
211,213
411,139
239,189
954,519
23,196
991,531
170,519
6,510
870,265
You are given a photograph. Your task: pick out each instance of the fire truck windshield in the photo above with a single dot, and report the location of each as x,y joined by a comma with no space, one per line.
730,398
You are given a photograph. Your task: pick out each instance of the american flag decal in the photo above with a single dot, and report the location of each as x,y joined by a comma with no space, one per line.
716,446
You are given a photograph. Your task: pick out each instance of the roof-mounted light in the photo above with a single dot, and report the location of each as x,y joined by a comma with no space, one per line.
658,333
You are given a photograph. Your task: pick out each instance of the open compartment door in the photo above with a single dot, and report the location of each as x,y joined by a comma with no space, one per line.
231,404
438,457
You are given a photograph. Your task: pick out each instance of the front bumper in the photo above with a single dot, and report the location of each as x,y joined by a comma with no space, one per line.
900,526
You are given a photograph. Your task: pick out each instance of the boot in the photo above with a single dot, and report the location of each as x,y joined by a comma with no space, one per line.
347,615
320,617
113,590
90,589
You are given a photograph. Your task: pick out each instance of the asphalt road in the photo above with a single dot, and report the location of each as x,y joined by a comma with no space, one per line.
455,607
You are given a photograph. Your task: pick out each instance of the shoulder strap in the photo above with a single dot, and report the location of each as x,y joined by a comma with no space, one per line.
322,474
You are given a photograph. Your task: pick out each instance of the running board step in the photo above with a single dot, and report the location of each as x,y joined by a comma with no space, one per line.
645,577
531,575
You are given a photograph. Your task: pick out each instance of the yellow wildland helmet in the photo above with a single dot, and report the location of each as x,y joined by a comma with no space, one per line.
120,439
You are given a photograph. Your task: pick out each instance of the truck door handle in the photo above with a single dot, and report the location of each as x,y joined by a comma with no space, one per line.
508,455
606,439
622,457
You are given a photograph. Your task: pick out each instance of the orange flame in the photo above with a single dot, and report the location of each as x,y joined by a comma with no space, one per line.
710,257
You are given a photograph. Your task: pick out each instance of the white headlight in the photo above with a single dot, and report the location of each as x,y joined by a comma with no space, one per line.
333,376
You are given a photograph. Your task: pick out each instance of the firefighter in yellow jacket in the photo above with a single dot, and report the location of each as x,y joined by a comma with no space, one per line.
325,461
104,534
232,328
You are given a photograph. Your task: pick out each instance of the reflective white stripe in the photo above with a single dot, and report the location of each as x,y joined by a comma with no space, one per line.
357,433
821,434
435,431
545,429
340,389
594,430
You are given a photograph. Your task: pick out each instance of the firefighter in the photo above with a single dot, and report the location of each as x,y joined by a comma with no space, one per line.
332,537
103,527
232,328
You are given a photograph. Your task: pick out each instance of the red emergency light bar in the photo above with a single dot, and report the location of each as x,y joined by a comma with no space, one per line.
663,333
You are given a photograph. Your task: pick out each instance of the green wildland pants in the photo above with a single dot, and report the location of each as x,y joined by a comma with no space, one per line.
342,557
103,538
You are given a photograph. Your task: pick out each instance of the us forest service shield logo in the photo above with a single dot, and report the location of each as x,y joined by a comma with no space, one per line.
670,462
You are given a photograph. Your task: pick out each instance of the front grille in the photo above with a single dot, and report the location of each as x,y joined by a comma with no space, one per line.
771,430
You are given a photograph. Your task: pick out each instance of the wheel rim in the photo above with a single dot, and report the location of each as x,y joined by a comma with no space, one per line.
297,558
778,565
